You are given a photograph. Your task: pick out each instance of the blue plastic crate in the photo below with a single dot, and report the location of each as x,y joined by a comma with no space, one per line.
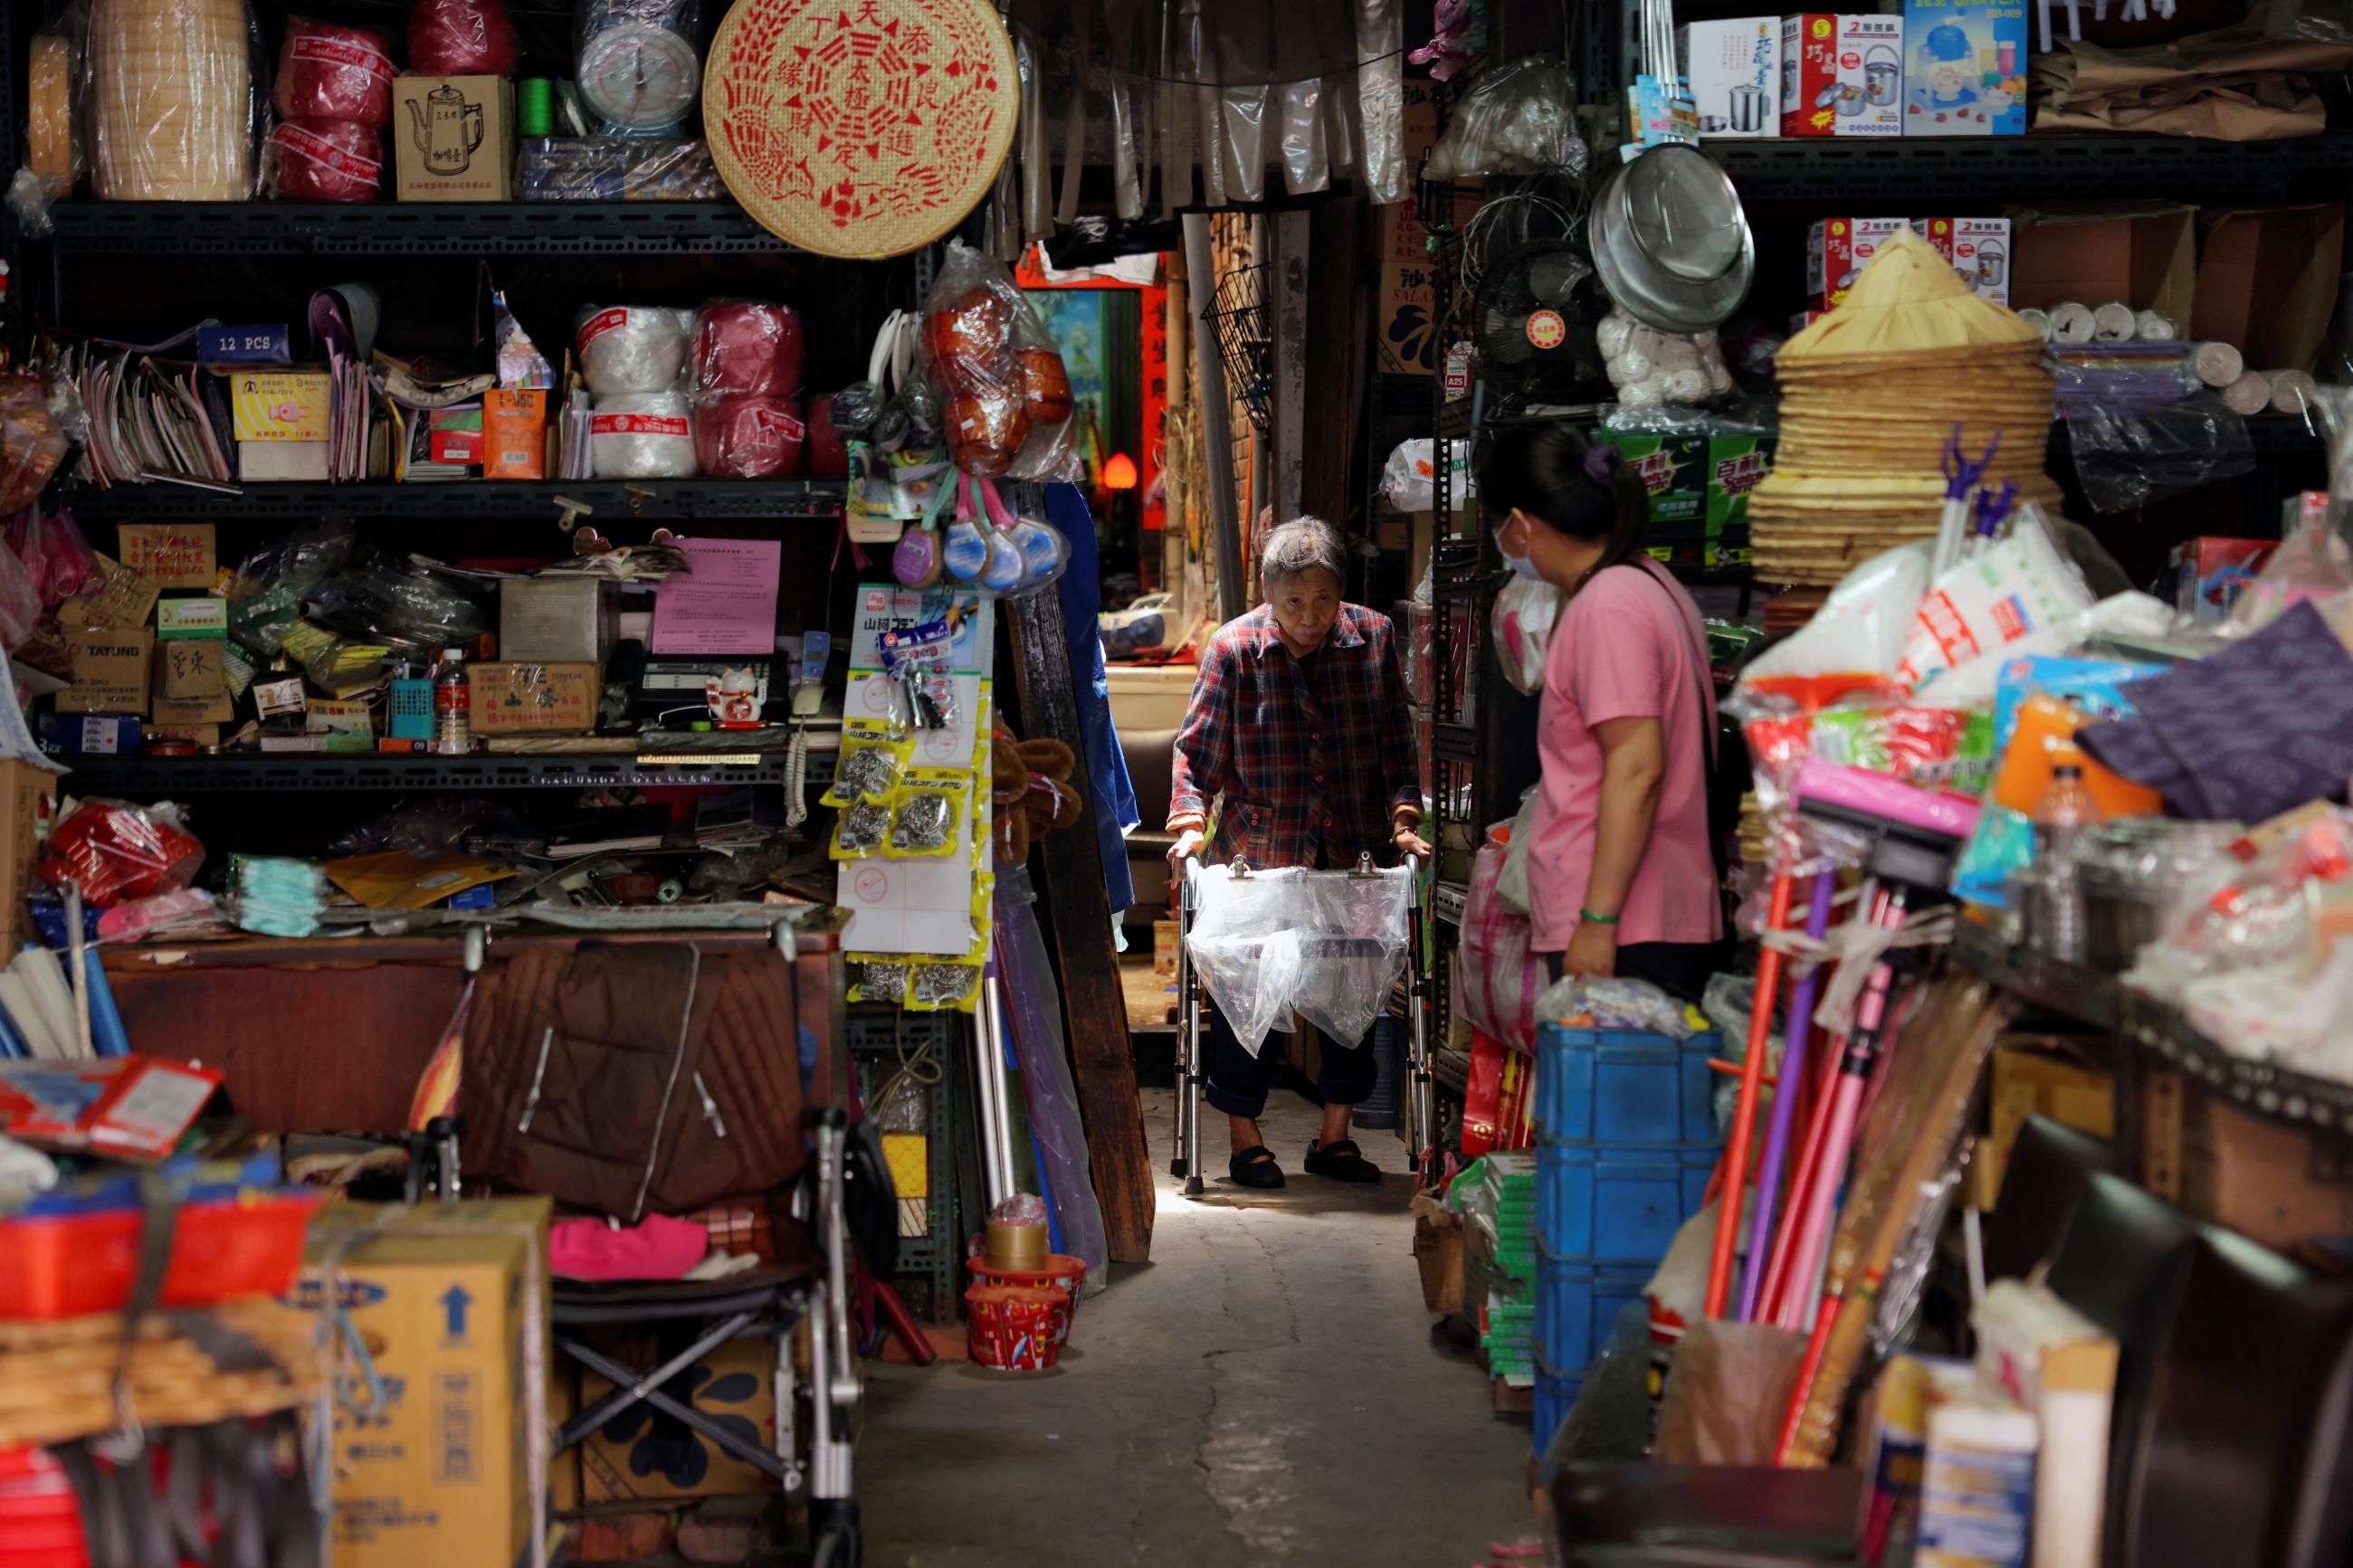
1606,1203
1625,1085
1556,1393
1577,1306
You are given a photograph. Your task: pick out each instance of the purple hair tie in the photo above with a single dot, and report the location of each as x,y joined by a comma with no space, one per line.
1597,466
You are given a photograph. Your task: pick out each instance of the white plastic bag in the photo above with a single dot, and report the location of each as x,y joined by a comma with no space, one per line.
2013,588
1524,617
1512,884
1277,946
1500,974
1861,628
1408,477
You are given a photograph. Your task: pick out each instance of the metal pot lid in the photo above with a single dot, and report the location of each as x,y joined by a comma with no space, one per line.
1650,293
1683,213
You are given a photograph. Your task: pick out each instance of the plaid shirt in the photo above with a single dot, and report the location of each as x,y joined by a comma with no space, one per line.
1310,756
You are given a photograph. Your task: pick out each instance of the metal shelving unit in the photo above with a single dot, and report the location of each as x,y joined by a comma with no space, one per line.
413,228
1902,168
309,772
469,501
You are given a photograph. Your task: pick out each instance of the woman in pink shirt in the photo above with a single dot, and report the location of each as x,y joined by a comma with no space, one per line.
1622,877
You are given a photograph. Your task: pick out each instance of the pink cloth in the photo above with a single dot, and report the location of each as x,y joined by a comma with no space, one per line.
657,1247
1631,645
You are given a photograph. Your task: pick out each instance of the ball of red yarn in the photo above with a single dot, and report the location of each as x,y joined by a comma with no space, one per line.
324,161
328,71
827,454
460,38
748,436
744,346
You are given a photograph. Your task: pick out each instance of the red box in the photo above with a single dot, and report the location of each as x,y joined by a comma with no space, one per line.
65,1265
1836,250
1841,76
2210,573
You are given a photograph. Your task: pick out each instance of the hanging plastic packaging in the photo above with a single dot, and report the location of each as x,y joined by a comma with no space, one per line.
31,444
1502,975
329,71
1279,946
748,436
1007,395
747,346
55,152
116,852
1518,118
54,552
641,436
1380,98
1299,125
632,349
460,38
20,606
1526,611
175,109
322,161
1033,1003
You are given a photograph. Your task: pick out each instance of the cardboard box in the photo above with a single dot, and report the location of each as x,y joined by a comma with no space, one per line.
203,615
191,669
1403,237
454,138
218,709
1837,249
1733,70
2267,282
509,699
174,554
111,670
1978,249
452,1301
341,726
566,618
28,798
1419,118
515,433
122,598
642,1455
279,405
63,735
2210,573
1167,936
283,462
2275,1184
2039,1074
2143,254
1406,343
1964,67
1674,466
201,736
1841,76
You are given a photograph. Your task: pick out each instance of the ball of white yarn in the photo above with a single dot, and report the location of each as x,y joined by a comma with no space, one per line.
1686,385
641,436
1611,334
633,349
1634,365
1641,394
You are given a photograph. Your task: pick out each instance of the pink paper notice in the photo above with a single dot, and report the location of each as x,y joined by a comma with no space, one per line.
727,604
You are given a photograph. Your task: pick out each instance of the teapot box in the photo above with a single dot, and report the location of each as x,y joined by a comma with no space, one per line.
453,138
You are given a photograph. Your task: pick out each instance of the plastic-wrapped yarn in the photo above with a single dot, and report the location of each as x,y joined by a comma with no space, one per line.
641,436
460,38
826,455
632,348
745,346
748,436
324,161
328,71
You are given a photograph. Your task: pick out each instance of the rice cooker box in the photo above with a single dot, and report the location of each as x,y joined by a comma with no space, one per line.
1837,249
1841,76
1734,72
1978,249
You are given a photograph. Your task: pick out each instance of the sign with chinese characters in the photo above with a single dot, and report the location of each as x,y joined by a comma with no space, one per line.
860,128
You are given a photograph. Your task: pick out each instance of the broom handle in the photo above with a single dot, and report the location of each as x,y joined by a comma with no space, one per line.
1795,1035
1744,1117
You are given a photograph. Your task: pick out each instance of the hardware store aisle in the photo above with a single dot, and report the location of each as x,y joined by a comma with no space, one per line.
1266,1392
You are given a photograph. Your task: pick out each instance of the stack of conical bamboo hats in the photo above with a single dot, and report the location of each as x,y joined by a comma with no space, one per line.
1870,394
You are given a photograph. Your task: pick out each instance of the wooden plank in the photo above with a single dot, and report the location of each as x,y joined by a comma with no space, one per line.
1287,311
1094,1006
1339,310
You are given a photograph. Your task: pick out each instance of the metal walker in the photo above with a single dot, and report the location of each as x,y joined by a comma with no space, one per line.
1419,1104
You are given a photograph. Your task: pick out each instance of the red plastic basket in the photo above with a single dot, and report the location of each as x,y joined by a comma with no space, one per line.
68,1265
1015,1328
40,1522
1068,1275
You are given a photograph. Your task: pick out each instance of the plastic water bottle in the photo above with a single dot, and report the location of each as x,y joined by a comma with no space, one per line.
2064,817
453,719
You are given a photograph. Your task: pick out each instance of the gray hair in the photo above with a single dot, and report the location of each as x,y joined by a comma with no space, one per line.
1303,544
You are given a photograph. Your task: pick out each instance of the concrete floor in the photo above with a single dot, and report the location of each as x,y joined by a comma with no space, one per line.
1266,1392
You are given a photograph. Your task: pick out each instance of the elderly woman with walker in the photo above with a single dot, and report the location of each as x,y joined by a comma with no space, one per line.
1299,721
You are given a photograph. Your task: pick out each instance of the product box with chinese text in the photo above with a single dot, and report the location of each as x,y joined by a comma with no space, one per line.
1406,342
1837,248
542,699
1841,76
453,138
1964,68
1978,249
444,1460
1733,72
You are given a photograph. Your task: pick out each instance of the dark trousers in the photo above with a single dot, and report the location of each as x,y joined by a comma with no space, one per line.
1239,1081
1680,968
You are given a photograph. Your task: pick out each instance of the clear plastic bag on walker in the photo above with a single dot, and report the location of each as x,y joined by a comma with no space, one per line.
1278,947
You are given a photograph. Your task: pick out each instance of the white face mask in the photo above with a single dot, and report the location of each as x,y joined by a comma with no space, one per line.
1520,564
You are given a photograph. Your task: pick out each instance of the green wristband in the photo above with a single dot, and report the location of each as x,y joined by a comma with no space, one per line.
1596,920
